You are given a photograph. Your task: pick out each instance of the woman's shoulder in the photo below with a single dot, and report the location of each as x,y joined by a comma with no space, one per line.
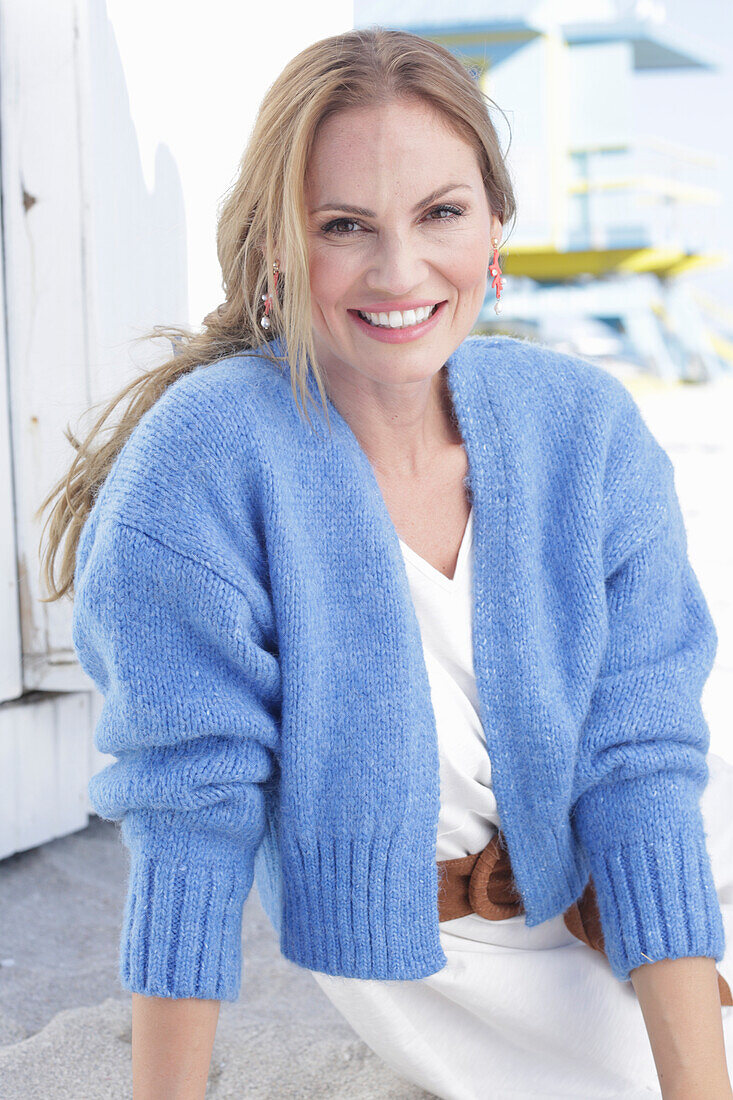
545,385
193,462
583,421
548,367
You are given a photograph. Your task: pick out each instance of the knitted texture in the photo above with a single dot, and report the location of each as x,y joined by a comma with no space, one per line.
241,601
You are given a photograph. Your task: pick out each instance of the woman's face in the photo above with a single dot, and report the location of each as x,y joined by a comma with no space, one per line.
420,238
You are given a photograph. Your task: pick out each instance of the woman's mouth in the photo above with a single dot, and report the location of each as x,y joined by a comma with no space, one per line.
399,318
398,326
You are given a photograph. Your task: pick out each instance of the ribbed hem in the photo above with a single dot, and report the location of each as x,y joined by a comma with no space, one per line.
657,898
182,928
361,907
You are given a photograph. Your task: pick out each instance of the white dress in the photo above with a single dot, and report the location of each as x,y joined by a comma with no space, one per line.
517,1012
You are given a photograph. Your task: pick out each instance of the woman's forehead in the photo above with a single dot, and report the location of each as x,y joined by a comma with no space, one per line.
400,145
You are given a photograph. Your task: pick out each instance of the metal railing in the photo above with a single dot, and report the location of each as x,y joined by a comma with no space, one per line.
645,192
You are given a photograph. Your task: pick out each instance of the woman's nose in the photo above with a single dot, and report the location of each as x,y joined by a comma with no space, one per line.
398,266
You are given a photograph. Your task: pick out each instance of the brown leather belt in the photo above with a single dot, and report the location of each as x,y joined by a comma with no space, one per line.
483,883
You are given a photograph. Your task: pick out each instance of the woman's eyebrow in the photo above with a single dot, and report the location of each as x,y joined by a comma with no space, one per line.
370,213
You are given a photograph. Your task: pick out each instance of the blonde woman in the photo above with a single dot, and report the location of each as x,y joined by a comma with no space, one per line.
427,669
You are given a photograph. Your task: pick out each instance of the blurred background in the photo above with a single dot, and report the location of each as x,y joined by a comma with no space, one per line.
610,114
121,124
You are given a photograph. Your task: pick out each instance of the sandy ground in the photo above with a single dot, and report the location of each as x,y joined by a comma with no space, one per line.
65,1024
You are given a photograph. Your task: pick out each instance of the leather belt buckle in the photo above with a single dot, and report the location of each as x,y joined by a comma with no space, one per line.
492,891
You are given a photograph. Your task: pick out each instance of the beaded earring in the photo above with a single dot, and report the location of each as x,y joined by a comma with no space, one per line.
267,298
495,272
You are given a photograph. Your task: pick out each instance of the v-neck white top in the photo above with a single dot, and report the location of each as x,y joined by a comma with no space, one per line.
433,574
468,814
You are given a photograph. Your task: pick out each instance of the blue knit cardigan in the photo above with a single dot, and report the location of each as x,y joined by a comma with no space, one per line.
241,601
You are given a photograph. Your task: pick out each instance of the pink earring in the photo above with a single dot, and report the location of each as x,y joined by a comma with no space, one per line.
267,298
495,272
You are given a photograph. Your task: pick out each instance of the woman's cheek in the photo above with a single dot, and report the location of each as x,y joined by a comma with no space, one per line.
328,278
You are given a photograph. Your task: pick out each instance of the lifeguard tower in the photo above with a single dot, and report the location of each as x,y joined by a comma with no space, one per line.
607,218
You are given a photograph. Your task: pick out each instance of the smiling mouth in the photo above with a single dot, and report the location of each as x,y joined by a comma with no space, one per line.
384,321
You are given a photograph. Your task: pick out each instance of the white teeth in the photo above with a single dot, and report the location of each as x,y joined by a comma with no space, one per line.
397,319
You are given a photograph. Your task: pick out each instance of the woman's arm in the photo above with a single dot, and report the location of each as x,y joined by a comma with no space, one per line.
172,1041
680,1003
191,681
642,767
642,752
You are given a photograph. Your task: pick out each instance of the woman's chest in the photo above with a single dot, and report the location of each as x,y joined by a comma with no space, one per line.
431,514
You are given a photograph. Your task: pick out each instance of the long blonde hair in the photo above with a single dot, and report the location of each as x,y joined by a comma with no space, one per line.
264,210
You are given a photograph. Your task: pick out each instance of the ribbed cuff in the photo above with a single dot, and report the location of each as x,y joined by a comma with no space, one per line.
182,927
657,898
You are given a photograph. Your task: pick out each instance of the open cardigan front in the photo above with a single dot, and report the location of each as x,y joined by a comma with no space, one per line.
242,603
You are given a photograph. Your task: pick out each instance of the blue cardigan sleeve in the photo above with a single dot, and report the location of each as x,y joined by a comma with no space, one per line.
642,764
191,714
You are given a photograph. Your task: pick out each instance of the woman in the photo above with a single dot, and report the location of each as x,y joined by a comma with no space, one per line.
464,614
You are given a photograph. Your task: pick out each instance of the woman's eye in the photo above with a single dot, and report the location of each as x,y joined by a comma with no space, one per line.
332,227
454,210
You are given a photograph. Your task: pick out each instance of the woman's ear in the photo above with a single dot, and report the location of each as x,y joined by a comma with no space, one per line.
278,255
